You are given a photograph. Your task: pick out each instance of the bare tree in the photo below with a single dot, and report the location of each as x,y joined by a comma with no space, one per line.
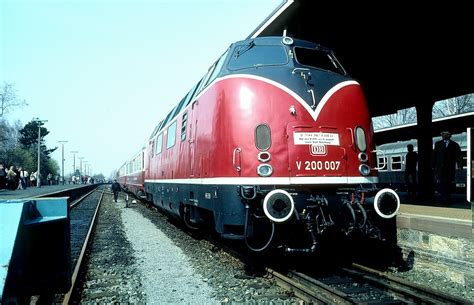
8,135
403,116
452,106
9,99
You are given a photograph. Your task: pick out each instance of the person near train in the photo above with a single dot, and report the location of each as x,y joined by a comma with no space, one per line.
116,189
12,178
446,155
411,162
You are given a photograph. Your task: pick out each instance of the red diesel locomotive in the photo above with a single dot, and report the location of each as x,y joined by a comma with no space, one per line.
275,141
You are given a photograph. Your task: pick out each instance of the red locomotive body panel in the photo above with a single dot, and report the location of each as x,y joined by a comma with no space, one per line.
224,118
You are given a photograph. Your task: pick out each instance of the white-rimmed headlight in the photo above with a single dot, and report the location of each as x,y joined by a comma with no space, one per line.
264,170
364,169
264,156
363,157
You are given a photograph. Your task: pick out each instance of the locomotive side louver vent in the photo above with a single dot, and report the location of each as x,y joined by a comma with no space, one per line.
263,139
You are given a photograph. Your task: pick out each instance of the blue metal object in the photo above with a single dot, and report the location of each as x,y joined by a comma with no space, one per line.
35,251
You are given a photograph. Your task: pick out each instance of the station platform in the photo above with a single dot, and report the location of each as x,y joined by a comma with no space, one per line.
459,208
438,236
31,192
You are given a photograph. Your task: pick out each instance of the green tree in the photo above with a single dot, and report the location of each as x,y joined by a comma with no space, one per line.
29,140
20,157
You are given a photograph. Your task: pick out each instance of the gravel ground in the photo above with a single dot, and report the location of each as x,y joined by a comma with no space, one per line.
438,282
111,275
138,256
226,279
167,273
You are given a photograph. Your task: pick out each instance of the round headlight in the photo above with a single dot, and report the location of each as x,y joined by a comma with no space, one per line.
364,169
264,156
363,157
264,170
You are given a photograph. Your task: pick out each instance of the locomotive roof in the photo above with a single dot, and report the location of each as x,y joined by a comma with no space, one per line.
278,40
339,74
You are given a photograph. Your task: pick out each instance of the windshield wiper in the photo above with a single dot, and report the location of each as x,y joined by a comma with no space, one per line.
250,45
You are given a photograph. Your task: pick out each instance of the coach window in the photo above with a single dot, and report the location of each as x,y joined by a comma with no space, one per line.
382,163
396,163
184,122
159,144
171,135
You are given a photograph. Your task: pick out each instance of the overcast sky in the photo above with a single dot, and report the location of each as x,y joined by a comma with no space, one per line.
104,73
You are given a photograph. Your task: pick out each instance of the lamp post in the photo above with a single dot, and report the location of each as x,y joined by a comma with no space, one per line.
74,152
80,169
40,122
62,160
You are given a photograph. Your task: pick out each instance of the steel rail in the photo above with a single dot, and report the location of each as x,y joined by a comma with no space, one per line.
68,295
308,289
77,201
418,293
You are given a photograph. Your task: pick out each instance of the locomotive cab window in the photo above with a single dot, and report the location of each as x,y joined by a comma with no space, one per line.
396,163
251,55
317,59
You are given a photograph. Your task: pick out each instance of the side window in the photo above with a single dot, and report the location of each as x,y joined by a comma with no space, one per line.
159,144
171,135
382,163
218,67
396,162
184,122
203,81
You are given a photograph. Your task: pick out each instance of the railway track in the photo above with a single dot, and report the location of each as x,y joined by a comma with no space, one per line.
83,216
82,213
360,285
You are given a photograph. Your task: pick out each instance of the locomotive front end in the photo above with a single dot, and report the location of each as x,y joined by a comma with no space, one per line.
314,141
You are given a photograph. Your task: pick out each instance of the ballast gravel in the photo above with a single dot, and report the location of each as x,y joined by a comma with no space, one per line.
139,256
167,274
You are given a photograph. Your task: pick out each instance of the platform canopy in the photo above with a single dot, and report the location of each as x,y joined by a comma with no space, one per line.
404,53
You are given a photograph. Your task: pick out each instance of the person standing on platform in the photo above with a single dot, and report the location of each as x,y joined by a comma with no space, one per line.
411,161
116,189
11,178
33,179
446,155
23,177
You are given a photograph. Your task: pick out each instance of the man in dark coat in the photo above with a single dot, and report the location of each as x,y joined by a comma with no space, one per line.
411,161
116,189
446,155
